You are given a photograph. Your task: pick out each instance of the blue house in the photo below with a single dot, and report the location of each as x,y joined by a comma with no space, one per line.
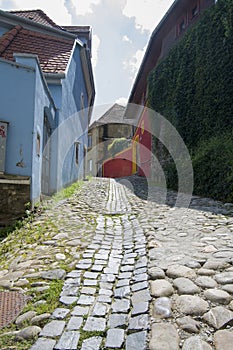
46,98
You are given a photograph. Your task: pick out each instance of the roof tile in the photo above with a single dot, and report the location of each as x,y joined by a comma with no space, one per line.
53,52
8,37
37,16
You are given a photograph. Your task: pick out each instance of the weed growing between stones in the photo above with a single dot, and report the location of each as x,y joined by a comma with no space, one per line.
67,192
50,296
89,334
9,342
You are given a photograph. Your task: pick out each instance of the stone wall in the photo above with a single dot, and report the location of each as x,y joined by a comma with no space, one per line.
15,194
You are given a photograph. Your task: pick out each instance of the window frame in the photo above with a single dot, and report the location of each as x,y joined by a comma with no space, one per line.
38,144
89,141
194,11
77,144
90,165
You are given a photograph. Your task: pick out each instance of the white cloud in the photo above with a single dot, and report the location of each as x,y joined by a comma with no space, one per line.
54,9
122,101
147,13
121,29
6,4
134,63
95,49
60,11
80,7
85,6
126,39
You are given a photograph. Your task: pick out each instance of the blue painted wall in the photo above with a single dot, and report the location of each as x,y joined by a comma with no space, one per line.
43,105
17,107
73,122
25,99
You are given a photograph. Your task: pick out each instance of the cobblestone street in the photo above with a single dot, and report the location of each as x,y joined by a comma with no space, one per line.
143,275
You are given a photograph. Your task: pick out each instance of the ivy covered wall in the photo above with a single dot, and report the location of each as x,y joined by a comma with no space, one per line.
193,88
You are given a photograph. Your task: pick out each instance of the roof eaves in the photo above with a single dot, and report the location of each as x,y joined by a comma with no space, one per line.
54,78
109,114
37,12
17,64
148,50
8,37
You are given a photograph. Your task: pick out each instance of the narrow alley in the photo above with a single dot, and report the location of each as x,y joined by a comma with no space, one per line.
142,275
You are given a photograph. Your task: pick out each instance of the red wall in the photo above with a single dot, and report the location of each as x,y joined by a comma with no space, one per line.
144,138
117,168
123,163
120,166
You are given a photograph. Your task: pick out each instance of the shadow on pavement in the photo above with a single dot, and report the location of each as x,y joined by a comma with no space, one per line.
146,190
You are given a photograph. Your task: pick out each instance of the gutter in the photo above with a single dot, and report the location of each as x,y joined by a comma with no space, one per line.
54,78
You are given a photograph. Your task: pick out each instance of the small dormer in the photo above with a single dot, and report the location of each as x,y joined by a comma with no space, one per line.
83,33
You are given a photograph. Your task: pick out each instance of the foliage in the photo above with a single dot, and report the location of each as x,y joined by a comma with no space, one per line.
51,296
5,231
193,89
8,342
213,167
67,192
118,145
25,221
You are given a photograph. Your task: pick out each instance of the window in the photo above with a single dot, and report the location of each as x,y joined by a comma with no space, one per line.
182,26
77,152
38,144
90,165
89,142
194,12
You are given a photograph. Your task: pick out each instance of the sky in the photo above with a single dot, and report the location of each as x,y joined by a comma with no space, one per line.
121,30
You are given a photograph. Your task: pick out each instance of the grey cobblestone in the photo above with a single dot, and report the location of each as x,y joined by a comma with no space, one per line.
92,343
115,338
147,274
139,322
86,300
100,309
136,341
44,343
74,323
60,313
117,320
53,329
68,300
95,324
68,340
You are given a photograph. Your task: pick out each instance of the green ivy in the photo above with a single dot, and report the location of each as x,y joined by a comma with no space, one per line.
193,89
118,145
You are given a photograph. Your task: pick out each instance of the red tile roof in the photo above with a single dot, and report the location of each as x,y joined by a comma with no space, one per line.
53,52
36,16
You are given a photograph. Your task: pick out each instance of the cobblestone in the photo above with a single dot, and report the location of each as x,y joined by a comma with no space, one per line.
143,275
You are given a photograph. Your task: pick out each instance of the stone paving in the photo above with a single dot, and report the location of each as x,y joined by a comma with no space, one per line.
109,287
150,276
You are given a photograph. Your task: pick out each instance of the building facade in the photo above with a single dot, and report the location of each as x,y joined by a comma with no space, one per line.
181,15
46,93
107,136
